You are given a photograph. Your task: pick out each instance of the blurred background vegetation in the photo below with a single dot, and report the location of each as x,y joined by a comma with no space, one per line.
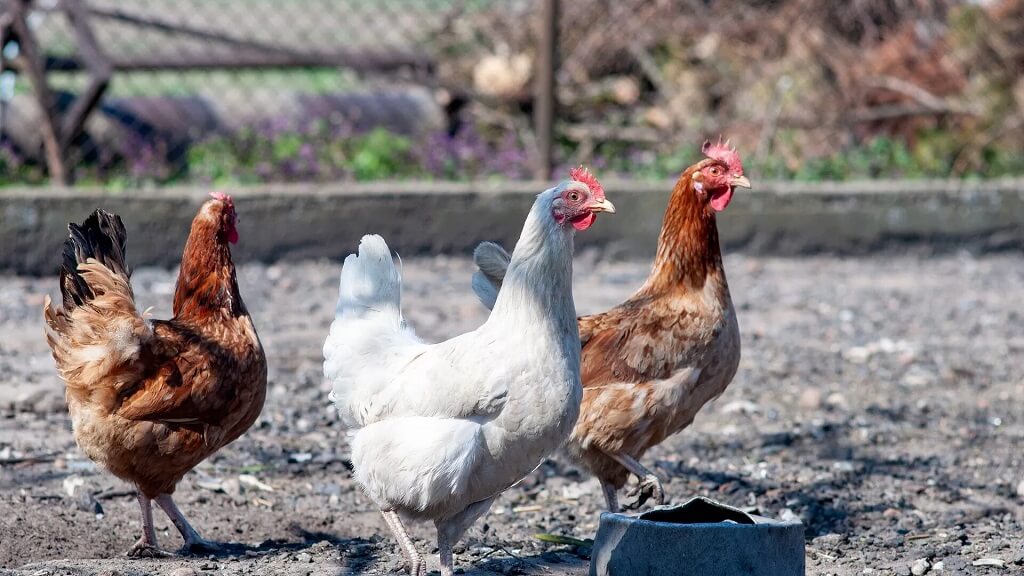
253,91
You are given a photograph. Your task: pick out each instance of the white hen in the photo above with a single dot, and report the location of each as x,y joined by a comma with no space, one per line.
442,429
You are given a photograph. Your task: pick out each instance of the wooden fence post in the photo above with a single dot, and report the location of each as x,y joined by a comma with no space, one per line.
545,101
35,68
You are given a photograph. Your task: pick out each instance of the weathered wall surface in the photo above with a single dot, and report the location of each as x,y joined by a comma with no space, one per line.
326,221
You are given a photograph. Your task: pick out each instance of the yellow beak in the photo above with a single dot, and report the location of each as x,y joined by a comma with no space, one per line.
603,205
741,181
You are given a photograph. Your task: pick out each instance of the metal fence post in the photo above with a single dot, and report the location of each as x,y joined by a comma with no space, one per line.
545,102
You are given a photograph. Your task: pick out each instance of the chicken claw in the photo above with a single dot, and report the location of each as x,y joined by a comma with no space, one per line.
649,487
144,549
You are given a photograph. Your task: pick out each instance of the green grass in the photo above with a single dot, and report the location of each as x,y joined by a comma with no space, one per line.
231,83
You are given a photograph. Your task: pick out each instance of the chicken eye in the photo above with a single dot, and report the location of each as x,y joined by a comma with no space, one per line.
715,171
574,196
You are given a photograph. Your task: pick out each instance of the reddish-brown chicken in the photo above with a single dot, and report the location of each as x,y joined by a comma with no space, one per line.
151,399
651,363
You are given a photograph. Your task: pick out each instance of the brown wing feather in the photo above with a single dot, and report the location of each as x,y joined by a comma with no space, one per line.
195,383
642,339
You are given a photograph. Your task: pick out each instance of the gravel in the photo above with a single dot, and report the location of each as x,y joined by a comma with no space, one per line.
878,401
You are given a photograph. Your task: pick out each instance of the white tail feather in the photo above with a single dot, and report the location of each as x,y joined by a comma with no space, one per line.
485,291
370,282
492,261
368,334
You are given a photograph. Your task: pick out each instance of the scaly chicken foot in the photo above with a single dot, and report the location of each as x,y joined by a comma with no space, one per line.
413,559
649,485
194,543
143,549
146,547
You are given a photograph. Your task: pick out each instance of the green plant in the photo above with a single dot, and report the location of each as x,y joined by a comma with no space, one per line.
380,154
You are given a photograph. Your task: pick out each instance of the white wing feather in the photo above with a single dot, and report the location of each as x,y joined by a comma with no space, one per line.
377,365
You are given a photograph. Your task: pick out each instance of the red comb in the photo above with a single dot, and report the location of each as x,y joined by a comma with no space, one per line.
724,153
584,176
222,197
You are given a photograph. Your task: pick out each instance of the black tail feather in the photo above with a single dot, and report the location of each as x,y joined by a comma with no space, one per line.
101,237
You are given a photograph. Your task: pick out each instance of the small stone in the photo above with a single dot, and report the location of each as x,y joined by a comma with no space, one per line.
1020,489
72,484
231,487
938,566
858,354
787,515
251,481
989,562
359,550
836,401
844,466
304,557
810,399
183,571
829,541
920,567
741,407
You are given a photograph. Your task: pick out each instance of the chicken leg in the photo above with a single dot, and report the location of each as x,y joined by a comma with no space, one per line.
451,529
610,497
193,541
416,565
146,546
649,486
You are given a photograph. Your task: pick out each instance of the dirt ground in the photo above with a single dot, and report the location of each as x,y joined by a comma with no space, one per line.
879,401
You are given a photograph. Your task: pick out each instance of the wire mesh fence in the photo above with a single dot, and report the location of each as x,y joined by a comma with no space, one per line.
129,92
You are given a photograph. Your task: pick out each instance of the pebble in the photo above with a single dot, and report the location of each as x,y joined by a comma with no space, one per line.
359,550
829,540
183,571
304,557
919,567
836,401
810,399
741,407
787,515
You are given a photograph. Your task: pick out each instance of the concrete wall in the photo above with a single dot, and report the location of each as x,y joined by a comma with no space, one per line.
297,221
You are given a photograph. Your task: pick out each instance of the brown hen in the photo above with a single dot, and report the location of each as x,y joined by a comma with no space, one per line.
651,363
151,399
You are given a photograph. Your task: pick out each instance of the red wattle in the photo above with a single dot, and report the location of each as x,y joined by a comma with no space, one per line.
583,221
233,236
719,200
